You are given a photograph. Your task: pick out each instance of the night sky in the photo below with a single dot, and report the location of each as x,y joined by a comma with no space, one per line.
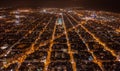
112,5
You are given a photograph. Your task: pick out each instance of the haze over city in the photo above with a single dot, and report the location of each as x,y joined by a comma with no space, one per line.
91,4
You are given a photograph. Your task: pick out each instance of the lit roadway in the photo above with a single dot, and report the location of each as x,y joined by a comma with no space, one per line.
20,58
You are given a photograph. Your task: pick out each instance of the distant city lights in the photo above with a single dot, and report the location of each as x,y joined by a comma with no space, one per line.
2,16
4,47
44,11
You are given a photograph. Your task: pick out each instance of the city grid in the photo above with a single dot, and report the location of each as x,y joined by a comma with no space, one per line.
53,39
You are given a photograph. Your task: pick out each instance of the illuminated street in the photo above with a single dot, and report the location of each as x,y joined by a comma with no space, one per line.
59,39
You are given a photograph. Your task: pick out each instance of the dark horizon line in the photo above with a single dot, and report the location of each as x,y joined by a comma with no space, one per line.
85,8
